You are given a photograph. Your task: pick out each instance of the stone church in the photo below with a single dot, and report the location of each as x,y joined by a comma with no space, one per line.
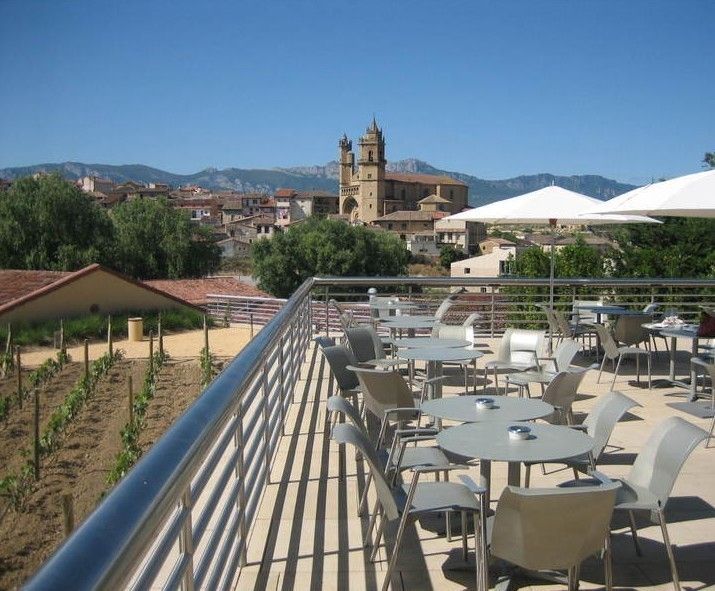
371,192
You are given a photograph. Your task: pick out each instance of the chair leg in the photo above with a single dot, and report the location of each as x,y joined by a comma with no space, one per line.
363,499
486,379
598,380
634,532
638,369
378,538
608,563
496,381
464,536
669,550
650,380
615,374
527,475
395,550
371,525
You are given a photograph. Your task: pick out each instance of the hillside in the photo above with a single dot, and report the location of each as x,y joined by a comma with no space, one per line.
481,191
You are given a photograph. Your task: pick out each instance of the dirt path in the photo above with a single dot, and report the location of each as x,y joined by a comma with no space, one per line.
78,467
16,430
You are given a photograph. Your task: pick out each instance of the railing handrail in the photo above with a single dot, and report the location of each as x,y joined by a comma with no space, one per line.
506,281
124,524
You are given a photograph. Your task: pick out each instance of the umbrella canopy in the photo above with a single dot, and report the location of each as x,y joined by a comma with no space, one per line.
550,205
692,195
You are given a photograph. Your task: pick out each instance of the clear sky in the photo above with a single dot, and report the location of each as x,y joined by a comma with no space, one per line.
623,88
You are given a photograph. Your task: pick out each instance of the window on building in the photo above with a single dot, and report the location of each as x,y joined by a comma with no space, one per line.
403,194
467,270
404,226
451,193
369,175
369,156
389,226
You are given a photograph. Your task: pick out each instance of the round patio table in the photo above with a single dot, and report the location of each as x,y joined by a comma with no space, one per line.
435,356
489,441
420,342
409,323
464,409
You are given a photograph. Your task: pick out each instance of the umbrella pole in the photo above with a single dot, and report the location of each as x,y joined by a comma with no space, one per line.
552,223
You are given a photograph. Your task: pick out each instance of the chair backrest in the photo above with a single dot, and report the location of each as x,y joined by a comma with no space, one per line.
540,529
610,349
629,329
338,308
344,433
340,404
561,393
383,390
444,307
323,342
339,357
651,308
472,319
551,319
453,331
562,323
564,354
520,346
663,455
347,320
362,342
585,315
600,422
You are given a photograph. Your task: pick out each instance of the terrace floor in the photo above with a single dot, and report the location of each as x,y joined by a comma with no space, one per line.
307,534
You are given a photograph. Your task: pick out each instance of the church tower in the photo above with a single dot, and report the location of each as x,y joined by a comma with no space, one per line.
371,173
347,161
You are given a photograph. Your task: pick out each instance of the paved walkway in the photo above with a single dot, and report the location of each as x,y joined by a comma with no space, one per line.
307,534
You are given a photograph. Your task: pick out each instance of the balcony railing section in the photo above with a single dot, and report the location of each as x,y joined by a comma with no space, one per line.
181,517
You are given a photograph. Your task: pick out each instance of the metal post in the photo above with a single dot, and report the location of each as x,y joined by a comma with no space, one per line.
18,363
186,541
281,362
327,311
36,435
110,344
86,359
250,317
151,351
266,419
131,401
241,475
491,330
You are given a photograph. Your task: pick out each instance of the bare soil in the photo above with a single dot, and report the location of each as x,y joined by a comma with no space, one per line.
16,431
81,464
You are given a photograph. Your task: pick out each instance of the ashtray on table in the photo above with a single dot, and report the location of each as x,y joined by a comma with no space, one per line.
484,403
518,432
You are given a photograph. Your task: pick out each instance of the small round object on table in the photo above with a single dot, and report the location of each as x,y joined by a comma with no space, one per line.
464,409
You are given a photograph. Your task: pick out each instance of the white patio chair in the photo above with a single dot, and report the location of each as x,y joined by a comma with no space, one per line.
519,350
613,352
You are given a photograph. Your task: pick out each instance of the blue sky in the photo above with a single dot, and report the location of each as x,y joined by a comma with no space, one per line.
620,88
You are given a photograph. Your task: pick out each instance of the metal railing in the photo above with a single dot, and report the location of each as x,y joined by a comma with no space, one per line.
181,517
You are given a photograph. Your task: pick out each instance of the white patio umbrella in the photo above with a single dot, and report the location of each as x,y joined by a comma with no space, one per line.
692,195
550,205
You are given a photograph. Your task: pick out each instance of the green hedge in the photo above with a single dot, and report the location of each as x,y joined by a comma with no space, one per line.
94,326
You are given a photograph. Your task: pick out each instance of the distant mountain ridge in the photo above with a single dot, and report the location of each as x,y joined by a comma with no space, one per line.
324,178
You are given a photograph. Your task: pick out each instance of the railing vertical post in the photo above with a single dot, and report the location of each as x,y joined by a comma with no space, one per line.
310,314
266,421
327,311
186,541
241,475
282,383
491,327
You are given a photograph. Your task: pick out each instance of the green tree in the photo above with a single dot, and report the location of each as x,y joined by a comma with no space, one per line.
532,262
709,159
325,247
48,223
155,240
448,255
579,260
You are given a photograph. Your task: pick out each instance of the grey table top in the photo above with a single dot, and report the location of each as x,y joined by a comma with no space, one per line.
609,309
419,342
409,321
490,441
439,354
686,331
393,306
464,409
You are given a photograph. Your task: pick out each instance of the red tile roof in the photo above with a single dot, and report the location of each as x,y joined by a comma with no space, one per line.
196,290
285,193
424,179
15,284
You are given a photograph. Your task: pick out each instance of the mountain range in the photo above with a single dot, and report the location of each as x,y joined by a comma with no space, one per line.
481,191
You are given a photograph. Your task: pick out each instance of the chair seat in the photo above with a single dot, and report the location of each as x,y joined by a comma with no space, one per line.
439,496
527,377
386,362
517,365
632,351
631,496
420,456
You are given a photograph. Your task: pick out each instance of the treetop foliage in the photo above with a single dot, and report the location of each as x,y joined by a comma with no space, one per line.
48,223
325,247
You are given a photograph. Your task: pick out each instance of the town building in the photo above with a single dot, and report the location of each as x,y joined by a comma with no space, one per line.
496,259
460,234
370,192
